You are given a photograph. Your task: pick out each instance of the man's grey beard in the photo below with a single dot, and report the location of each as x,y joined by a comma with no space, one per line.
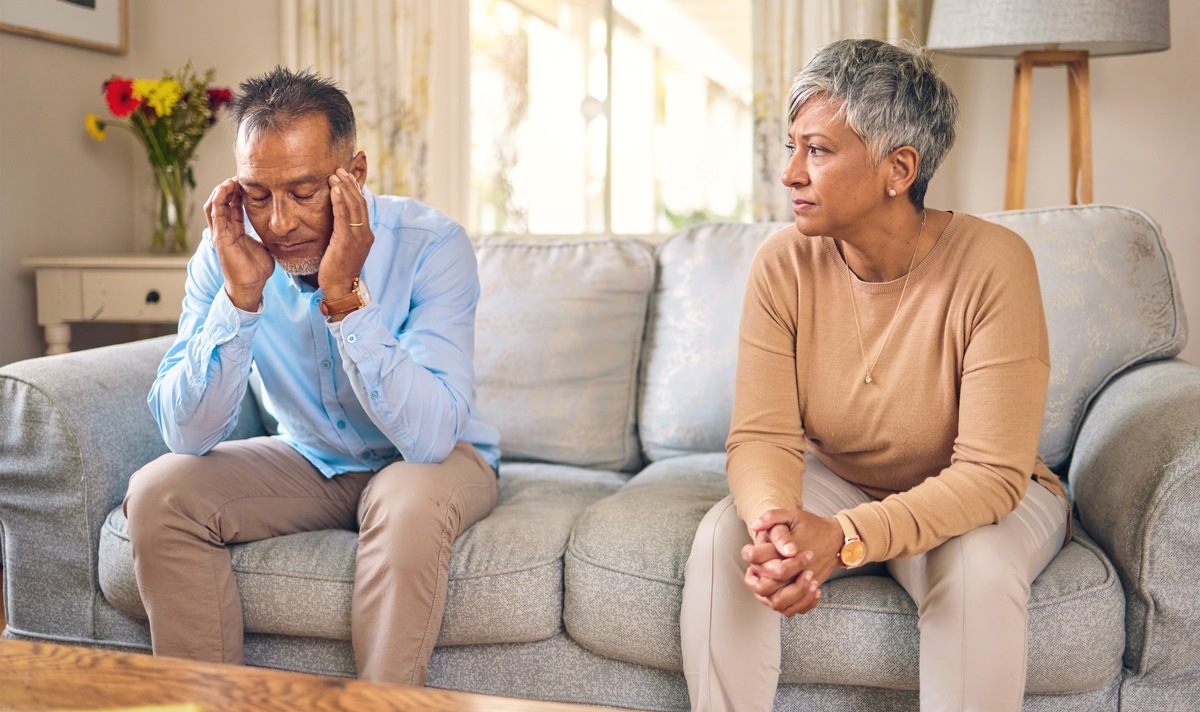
301,266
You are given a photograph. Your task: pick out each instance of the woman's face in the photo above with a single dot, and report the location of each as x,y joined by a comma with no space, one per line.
830,176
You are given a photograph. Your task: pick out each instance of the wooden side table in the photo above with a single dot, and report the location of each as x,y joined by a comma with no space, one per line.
138,289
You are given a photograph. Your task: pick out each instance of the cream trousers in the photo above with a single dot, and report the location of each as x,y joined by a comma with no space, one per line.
183,510
972,596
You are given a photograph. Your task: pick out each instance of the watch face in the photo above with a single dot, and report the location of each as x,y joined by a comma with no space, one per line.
853,553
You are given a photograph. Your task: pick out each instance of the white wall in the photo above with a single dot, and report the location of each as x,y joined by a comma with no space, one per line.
62,192
1146,147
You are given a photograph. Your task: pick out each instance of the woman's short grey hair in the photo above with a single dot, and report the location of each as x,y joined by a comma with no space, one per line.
891,96
278,98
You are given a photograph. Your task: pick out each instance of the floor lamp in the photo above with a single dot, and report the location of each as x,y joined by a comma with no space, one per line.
1049,33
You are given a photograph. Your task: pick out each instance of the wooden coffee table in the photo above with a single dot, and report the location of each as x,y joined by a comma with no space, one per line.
43,676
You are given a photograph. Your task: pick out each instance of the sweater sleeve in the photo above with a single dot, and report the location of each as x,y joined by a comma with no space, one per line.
766,448
1002,394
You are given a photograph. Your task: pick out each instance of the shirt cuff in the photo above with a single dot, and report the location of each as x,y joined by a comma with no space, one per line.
359,332
226,322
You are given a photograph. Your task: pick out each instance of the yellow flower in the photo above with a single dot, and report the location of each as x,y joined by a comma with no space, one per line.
95,127
142,88
160,94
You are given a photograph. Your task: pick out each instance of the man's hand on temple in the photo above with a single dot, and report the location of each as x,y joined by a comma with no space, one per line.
352,236
245,263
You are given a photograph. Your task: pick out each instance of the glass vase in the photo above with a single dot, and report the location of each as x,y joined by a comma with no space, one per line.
170,226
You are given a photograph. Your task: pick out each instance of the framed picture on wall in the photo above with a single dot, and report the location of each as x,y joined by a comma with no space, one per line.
93,24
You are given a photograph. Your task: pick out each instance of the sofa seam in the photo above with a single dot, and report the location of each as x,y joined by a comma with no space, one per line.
1107,584
59,639
1143,572
241,568
631,441
574,553
1111,578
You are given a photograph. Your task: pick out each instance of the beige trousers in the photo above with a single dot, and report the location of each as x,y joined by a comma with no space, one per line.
184,509
972,596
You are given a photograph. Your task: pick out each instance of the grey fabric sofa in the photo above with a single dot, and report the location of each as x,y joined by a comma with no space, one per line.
608,366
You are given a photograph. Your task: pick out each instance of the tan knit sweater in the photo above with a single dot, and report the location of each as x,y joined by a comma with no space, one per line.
945,436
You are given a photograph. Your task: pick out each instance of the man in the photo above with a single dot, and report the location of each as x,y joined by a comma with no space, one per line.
373,390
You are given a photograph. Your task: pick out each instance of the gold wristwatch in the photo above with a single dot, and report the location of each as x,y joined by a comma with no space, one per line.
358,298
853,552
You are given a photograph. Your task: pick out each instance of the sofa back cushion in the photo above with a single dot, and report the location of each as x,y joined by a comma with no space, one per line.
1111,301
692,337
1108,286
559,331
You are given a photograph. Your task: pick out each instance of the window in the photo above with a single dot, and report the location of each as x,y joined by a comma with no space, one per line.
608,116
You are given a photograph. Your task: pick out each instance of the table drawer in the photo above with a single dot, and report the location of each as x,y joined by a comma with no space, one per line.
133,295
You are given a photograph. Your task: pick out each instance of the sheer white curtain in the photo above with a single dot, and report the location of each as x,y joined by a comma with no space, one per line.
379,51
786,35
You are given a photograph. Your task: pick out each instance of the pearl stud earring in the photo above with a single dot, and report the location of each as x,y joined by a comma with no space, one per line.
892,192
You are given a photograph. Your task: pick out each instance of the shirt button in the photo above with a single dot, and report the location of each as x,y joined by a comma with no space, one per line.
351,338
341,425
316,299
325,364
374,395
229,328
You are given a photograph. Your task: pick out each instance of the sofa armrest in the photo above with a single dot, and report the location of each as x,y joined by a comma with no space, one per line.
1135,476
73,428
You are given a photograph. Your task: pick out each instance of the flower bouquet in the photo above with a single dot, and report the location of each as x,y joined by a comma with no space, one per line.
168,116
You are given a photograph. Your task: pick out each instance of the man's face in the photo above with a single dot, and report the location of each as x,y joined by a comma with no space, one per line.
284,176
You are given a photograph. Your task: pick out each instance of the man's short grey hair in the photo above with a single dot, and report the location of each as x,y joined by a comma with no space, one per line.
891,96
275,100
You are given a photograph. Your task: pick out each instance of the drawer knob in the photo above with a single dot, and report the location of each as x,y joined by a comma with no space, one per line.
152,297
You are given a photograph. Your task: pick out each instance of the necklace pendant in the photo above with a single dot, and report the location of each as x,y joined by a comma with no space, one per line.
868,378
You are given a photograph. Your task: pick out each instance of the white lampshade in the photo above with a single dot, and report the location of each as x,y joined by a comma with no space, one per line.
1006,28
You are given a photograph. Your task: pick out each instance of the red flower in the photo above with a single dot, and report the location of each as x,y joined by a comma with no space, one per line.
216,99
119,94
219,97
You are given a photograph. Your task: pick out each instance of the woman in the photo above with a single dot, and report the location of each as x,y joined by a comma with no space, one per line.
891,377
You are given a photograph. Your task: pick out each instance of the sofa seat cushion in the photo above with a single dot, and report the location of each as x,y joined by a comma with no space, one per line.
628,552
505,574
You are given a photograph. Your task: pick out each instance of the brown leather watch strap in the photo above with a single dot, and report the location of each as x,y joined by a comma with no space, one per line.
345,304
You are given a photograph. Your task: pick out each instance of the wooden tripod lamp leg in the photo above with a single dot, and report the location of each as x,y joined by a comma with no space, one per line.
1018,134
1080,117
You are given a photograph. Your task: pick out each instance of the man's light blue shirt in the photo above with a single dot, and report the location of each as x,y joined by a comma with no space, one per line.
394,378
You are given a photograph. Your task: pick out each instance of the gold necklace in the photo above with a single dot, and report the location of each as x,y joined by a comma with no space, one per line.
858,330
